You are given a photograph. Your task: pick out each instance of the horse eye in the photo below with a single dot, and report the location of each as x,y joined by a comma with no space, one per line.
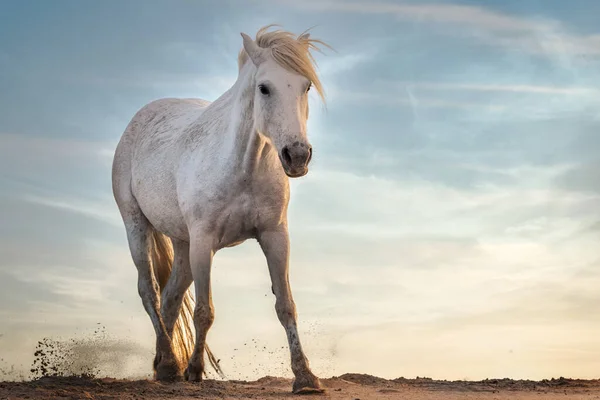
264,90
308,88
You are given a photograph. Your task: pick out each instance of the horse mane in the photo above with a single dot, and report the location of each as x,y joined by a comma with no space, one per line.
291,52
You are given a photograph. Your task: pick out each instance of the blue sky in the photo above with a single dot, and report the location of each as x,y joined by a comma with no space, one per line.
449,225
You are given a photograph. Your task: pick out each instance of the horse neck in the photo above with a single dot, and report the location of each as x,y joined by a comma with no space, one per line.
242,104
242,143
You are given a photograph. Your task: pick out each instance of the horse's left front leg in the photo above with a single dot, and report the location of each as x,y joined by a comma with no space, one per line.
171,301
276,247
201,255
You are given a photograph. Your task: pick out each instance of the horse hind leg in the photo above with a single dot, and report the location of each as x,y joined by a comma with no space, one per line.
178,319
141,241
139,236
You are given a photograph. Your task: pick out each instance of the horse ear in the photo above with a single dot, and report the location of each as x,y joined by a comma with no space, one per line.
304,36
256,54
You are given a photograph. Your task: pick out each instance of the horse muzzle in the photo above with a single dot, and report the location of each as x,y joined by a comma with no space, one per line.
295,159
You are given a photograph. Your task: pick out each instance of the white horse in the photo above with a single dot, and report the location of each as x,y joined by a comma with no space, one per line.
191,177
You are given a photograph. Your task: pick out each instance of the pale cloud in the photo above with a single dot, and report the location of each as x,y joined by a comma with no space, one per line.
103,211
416,207
486,102
105,272
75,288
553,42
584,177
20,147
107,153
358,98
491,87
451,13
421,237
536,35
205,85
332,65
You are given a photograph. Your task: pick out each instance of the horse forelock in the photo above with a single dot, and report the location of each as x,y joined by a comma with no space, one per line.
290,52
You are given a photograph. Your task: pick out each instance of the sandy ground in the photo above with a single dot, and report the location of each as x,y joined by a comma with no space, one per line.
349,386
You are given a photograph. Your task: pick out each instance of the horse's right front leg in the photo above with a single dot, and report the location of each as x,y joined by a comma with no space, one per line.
201,255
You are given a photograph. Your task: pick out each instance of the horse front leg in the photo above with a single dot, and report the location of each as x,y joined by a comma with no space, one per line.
276,247
201,255
179,281
174,295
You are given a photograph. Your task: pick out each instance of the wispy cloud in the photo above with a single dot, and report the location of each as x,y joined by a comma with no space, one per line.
333,65
95,271
21,146
536,35
450,13
429,208
510,88
207,85
64,283
97,210
489,101
406,99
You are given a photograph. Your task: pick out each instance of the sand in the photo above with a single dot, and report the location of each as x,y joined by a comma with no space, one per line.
67,369
348,386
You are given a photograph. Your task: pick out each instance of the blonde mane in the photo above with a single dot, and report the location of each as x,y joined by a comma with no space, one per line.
291,52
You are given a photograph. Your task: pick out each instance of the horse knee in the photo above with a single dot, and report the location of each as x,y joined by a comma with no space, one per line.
169,302
169,310
286,311
147,287
204,316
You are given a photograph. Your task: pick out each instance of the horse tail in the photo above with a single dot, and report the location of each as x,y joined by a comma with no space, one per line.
183,333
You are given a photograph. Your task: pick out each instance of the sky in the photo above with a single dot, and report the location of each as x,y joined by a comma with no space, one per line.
449,225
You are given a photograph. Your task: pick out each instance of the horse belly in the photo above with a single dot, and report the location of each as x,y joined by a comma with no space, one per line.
165,217
157,198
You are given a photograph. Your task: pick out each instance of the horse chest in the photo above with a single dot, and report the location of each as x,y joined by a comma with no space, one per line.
232,214
236,222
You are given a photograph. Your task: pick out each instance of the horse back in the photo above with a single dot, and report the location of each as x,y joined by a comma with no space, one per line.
165,119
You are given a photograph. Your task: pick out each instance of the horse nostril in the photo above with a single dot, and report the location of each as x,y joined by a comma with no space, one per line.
309,155
287,157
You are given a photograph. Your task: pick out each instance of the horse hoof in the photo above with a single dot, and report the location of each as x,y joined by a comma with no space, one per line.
168,371
307,384
192,374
